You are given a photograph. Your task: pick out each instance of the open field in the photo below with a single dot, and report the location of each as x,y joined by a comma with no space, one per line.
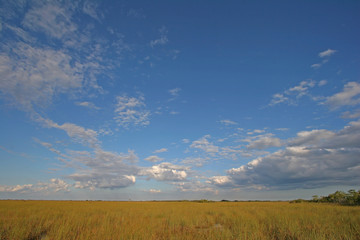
176,220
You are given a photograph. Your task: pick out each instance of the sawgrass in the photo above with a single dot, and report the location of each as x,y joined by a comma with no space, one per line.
176,220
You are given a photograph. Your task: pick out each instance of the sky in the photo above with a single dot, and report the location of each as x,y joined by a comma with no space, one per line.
166,100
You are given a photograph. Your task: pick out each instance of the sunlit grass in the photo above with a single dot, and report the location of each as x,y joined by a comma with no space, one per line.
176,220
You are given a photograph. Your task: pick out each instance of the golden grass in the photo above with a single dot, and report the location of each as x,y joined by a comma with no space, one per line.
176,220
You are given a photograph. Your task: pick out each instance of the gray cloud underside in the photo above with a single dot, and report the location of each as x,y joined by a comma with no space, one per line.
313,159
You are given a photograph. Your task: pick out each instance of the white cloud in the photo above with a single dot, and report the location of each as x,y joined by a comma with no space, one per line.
278,98
154,158
327,53
131,111
163,38
154,191
227,122
316,65
165,172
175,92
205,145
265,142
161,150
220,181
322,83
291,95
87,105
301,89
255,131
349,96
185,140
55,185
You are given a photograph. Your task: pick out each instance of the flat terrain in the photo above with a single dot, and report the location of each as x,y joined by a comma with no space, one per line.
176,220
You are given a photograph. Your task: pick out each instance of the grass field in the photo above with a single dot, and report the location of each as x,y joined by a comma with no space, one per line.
176,220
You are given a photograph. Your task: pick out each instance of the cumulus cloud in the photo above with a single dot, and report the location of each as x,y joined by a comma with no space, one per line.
154,158
165,172
316,158
130,111
220,181
349,96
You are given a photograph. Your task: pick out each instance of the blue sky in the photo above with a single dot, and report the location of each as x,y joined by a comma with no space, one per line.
143,100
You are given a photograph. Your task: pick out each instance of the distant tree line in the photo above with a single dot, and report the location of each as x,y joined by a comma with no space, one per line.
352,197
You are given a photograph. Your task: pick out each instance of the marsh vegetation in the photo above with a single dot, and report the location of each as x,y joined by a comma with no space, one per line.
176,220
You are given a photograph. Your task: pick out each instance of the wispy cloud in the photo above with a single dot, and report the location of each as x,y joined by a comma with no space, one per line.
87,105
174,93
327,53
163,38
154,158
161,150
204,144
55,185
131,111
32,76
90,8
351,114
227,122
75,132
291,95
136,13
52,19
